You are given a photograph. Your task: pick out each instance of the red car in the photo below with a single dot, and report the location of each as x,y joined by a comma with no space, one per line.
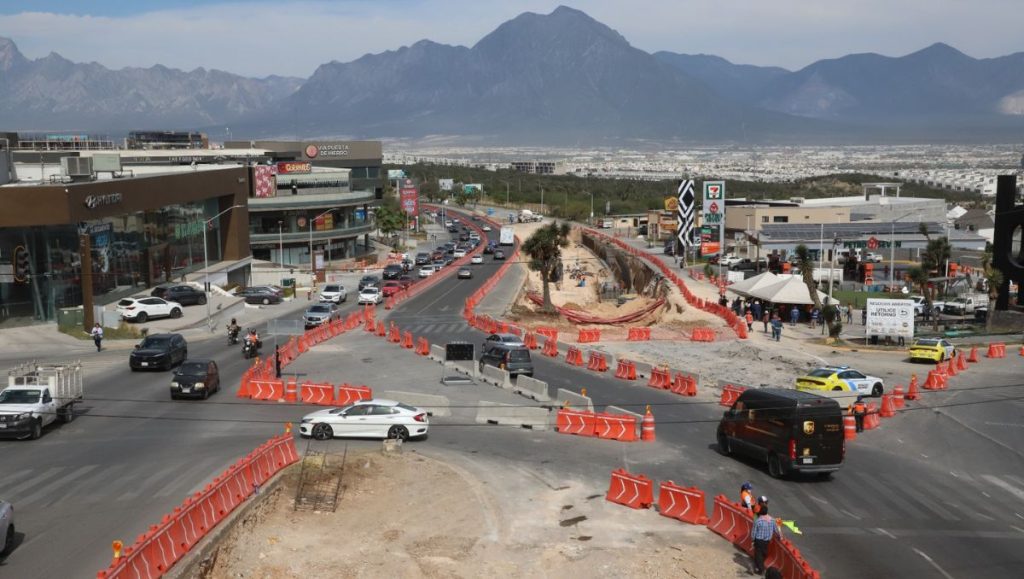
390,288
405,281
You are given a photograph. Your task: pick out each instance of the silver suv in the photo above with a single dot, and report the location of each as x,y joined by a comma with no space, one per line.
333,292
6,528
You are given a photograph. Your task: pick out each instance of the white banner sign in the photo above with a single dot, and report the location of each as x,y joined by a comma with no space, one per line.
890,318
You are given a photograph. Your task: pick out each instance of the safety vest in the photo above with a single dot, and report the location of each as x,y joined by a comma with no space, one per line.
859,408
746,498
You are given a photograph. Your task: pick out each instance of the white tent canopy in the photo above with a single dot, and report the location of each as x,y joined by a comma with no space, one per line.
744,287
792,290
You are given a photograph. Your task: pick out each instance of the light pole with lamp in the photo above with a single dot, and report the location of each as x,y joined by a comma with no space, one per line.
206,260
312,266
591,208
506,193
892,246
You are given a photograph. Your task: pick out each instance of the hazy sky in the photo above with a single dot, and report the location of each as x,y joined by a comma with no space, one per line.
261,37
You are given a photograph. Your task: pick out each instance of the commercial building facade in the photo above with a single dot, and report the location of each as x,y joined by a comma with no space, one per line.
83,244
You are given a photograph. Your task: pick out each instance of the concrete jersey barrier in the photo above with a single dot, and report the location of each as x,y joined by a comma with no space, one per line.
437,353
434,405
532,388
575,400
512,415
496,376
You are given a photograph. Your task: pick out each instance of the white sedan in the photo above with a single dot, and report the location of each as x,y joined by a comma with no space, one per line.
426,271
458,253
142,309
374,418
485,228
370,295
476,259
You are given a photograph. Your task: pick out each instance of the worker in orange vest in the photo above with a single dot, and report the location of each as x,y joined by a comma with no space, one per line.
859,409
750,321
746,496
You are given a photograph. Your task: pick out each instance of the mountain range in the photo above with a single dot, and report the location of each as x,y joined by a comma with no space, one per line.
559,78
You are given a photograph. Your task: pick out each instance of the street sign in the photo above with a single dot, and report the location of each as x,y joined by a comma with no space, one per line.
889,318
713,215
872,243
685,208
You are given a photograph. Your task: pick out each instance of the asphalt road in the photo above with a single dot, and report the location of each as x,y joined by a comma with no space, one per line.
934,493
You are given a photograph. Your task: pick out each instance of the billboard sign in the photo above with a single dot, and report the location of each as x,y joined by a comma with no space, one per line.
395,174
286,167
265,180
685,207
409,197
471,188
713,216
326,150
445,184
890,318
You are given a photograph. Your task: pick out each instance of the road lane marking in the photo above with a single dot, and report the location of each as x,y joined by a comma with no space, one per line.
1015,527
48,474
52,486
933,563
884,532
1004,485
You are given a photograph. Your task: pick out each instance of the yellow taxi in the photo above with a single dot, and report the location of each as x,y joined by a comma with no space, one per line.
931,350
840,379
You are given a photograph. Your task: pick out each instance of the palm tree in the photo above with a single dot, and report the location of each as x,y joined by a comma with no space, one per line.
806,265
994,278
545,250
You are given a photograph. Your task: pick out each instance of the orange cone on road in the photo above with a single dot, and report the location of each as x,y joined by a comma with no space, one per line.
647,426
951,367
912,393
961,362
897,396
973,356
849,427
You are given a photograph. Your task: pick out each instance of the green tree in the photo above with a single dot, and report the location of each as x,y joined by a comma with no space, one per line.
919,278
806,265
545,250
390,220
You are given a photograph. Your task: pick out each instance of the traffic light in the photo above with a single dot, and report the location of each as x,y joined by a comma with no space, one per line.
22,261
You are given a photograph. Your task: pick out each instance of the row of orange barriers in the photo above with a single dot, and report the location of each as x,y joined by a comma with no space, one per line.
702,335
164,544
609,426
589,336
597,362
573,356
998,350
625,369
485,323
730,393
730,520
638,334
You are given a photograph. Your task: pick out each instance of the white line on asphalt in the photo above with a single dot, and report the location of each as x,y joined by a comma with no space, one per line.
1013,424
1019,516
886,533
924,455
987,496
1004,485
1016,528
849,514
954,474
933,564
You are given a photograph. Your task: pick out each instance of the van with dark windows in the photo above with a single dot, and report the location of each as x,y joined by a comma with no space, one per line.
514,358
790,430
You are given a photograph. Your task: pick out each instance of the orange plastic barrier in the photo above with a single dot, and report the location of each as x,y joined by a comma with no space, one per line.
683,504
164,544
871,418
632,490
347,394
961,361
973,356
912,393
266,389
638,334
996,350
574,356
291,390
550,348
394,334
729,394
423,347
319,394
589,336
733,522
660,378
888,407
849,427
530,340
381,331
783,555
597,362
407,340
547,332
578,422
702,335
369,325
897,397
626,370
684,384
620,427
951,368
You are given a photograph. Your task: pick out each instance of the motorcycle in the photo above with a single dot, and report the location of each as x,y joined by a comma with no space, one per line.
233,336
250,349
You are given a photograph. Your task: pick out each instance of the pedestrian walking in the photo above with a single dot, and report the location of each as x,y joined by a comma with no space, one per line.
756,309
777,328
849,314
97,335
765,528
864,316
900,341
859,409
814,317
794,315
766,318
750,321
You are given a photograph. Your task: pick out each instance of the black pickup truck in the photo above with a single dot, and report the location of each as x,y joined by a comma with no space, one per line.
748,265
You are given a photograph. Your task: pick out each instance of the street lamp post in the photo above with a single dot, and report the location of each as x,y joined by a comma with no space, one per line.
280,242
206,260
591,208
892,247
506,193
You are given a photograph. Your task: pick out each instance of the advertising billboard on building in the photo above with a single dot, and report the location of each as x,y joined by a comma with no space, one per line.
264,180
889,318
395,174
286,167
445,184
409,197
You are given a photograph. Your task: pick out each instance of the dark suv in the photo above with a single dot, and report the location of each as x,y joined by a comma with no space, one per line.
185,295
159,351
514,358
422,258
368,281
195,379
393,271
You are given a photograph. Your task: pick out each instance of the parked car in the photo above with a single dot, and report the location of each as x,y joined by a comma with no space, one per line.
260,295
476,259
185,295
510,339
747,264
370,295
373,418
392,271
427,271
367,281
465,273
319,314
499,255
333,292
143,309
276,290
390,288
792,431
513,358
841,379
158,351
6,528
195,379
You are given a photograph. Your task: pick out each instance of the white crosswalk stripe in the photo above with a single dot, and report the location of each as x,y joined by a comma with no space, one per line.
48,490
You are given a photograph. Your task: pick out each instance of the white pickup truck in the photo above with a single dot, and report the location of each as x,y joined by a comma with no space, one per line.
38,395
966,304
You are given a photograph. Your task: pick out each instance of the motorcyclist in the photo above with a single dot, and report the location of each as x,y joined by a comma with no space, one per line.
254,338
233,330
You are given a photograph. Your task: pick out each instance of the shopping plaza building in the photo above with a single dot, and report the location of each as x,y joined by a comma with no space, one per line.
88,226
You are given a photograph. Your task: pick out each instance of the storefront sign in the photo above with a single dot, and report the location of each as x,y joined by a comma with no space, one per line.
183,230
445,184
713,216
409,197
890,318
94,201
879,244
327,150
286,167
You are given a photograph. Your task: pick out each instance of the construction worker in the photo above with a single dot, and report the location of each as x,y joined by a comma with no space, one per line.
765,528
859,409
746,496
761,506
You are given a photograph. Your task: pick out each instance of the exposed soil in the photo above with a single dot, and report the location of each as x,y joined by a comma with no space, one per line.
405,515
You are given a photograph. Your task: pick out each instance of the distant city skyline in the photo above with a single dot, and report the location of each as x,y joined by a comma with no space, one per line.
260,37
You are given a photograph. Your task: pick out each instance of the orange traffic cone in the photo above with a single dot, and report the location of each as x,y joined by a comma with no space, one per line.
912,393
961,362
647,428
898,396
973,356
951,367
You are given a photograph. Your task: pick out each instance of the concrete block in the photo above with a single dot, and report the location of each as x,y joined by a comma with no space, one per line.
434,405
532,388
496,376
512,415
437,352
575,400
643,370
